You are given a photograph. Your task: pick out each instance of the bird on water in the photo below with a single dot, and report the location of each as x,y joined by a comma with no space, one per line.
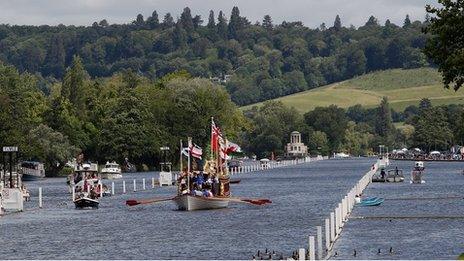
354,252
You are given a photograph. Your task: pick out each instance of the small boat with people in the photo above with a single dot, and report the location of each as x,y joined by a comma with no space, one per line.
417,173
112,170
392,175
32,170
87,186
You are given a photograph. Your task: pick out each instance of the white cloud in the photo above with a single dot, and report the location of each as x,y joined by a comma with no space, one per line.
310,12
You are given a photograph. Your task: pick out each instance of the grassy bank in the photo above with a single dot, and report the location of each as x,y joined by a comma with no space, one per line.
402,87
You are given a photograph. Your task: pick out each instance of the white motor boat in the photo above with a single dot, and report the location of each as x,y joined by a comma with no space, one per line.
417,173
32,170
87,187
340,155
112,170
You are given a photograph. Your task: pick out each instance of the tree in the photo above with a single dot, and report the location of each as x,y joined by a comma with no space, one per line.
211,22
153,20
51,147
103,23
372,21
337,23
179,36
267,22
197,21
186,20
222,26
168,21
235,23
355,142
74,85
330,120
273,123
384,126
318,144
432,130
357,63
407,22
139,22
425,104
445,45
395,53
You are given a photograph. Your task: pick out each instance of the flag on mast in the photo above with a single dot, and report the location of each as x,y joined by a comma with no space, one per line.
215,135
195,150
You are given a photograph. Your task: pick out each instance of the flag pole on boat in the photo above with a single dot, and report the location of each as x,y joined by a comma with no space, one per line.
188,163
180,155
211,145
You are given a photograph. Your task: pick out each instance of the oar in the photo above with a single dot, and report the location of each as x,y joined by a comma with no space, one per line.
259,201
134,202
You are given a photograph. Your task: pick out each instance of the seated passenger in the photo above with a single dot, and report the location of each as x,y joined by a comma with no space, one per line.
197,193
200,180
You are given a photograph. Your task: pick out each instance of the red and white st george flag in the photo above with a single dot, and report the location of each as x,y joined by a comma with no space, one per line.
233,147
195,150
228,147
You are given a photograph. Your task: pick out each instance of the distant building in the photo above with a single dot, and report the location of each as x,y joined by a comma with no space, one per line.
221,79
296,148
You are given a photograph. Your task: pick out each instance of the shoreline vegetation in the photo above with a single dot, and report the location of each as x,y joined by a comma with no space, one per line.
122,91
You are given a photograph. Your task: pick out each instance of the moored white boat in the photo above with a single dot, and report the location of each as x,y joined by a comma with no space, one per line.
32,170
189,202
111,171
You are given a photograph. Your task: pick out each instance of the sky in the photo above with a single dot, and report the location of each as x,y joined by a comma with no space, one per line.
311,12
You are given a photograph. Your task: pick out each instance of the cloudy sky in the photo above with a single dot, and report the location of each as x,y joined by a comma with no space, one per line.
311,12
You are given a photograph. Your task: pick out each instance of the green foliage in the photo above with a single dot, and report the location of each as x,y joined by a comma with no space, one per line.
273,123
318,143
50,147
383,124
330,120
432,131
445,45
356,142
249,52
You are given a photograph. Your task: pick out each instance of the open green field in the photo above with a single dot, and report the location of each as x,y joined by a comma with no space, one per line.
402,87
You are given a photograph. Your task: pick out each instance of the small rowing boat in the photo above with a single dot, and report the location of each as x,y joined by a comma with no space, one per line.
372,201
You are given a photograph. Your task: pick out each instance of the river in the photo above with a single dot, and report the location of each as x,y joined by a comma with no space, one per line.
302,195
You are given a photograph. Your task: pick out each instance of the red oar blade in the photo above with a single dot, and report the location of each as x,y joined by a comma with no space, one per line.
257,201
132,202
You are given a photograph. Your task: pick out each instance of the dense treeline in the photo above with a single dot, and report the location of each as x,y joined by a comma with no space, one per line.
123,116
356,130
265,60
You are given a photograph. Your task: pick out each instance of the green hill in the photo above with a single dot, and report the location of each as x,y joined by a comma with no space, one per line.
402,87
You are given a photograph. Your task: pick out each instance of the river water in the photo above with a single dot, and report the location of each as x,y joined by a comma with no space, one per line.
302,195
432,223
